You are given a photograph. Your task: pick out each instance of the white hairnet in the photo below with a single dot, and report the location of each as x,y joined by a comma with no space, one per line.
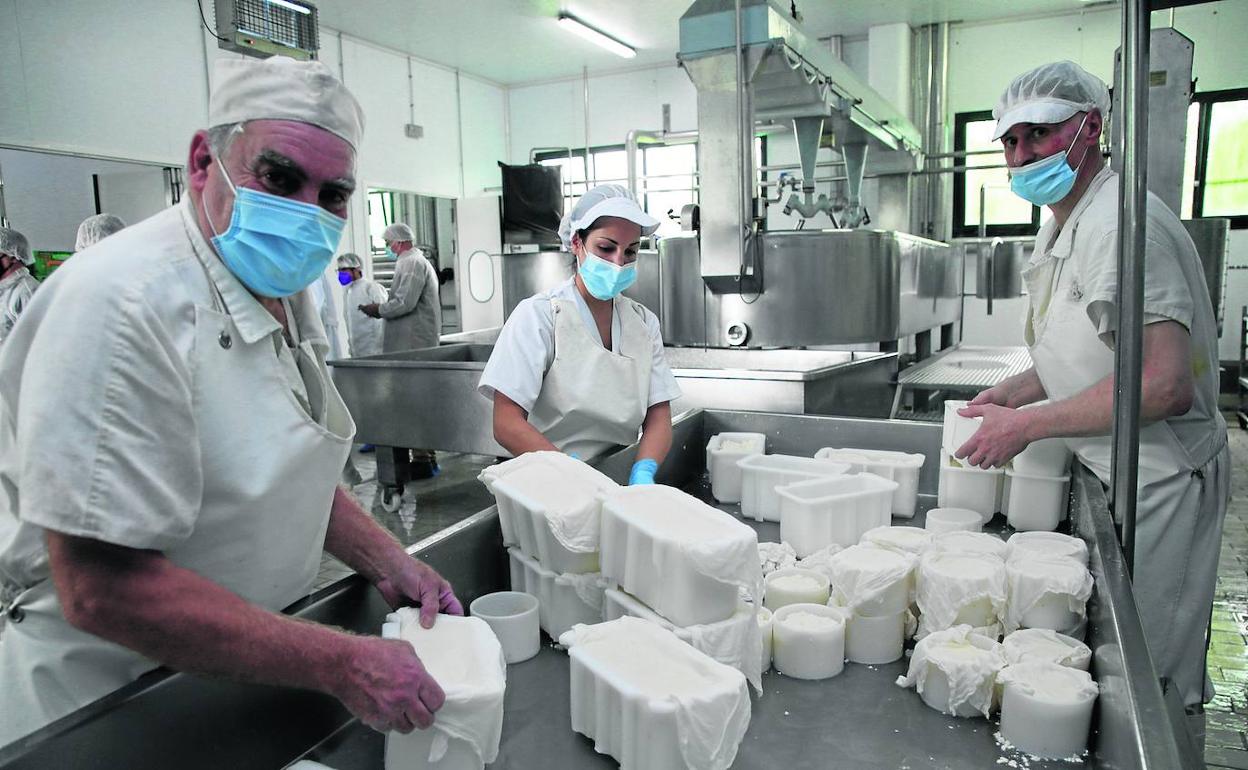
605,200
96,228
14,244
398,232
280,88
1050,93
348,261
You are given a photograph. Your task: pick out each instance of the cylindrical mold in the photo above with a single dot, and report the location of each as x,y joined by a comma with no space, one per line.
941,520
764,626
512,616
808,641
1043,644
1046,709
1048,593
912,540
1046,545
794,585
877,640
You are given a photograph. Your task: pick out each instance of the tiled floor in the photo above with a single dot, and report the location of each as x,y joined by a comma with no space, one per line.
1226,719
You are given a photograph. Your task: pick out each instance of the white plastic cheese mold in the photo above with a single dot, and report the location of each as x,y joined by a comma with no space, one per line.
737,641
549,505
653,702
955,671
1022,545
761,474
562,600
836,510
678,555
901,467
1034,502
966,486
464,657
1046,709
722,453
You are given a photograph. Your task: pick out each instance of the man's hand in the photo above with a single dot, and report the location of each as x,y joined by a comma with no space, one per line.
412,582
384,684
1001,436
996,395
370,310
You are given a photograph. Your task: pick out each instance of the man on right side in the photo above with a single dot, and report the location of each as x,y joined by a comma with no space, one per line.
1050,122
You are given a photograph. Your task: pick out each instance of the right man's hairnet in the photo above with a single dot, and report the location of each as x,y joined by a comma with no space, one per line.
96,228
14,244
398,232
1050,93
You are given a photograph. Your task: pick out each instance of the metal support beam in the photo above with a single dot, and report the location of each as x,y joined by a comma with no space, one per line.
1128,344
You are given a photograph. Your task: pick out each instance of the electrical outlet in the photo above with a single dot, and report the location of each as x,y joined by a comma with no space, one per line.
413,131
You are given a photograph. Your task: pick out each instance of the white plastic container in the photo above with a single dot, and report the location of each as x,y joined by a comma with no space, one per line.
912,540
678,555
955,672
872,581
835,510
512,616
735,642
761,474
901,467
1048,593
808,641
941,520
956,589
966,486
640,694
975,543
795,585
1035,502
875,640
722,453
549,506
464,657
1043,545
1043,644
1046,457
562,600
1046,709
956,429
764,627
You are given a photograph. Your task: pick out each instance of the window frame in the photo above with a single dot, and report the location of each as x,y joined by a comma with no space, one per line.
1206,100
960,228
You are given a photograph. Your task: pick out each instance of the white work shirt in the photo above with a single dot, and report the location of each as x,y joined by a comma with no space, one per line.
525,350
364,333
1086,249
16,289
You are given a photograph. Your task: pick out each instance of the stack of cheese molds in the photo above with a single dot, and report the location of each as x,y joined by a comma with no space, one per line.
680,563
466,660
549,509
651,701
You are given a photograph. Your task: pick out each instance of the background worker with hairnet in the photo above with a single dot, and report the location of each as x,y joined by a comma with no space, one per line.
16,283
364,333
610,380
96,228
1050,121
169,467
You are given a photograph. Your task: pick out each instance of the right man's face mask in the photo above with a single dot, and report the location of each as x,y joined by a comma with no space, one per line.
1047,181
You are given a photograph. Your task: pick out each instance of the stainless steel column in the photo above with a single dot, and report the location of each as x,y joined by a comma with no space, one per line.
1133,193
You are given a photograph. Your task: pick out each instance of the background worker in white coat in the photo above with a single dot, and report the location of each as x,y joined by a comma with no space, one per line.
17,285
610,379
168,470
364,332
413,313
96,228
1050,121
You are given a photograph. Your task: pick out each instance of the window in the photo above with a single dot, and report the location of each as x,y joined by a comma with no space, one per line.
380,215
1215,178
1004,212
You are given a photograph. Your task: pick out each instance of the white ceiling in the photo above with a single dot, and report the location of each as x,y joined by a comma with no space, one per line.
518,41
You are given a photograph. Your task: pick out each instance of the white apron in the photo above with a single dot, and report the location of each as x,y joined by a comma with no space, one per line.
592,398
269,474
1180,497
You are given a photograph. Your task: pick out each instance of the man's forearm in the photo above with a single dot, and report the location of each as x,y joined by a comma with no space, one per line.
1024,389
359,541
656,433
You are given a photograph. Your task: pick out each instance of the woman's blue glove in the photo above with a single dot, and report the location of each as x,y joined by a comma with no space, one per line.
643,472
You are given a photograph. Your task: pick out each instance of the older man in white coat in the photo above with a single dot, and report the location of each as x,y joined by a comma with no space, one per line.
168,470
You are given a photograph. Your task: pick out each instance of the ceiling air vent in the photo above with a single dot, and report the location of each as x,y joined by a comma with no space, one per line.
265,27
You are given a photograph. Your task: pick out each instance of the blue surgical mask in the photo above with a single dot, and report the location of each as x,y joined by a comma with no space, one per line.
1045,182
344,278
606,280
390,253
276,246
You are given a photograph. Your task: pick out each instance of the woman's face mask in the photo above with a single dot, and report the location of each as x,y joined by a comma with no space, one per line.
604,279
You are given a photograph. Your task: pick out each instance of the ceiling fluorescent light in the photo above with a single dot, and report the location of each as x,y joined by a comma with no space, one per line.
578,27
289,6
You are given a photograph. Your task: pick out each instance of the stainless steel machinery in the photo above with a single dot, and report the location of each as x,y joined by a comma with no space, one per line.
732,283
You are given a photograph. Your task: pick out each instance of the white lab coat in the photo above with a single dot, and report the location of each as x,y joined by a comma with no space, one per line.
175,419
364,333
1184,462
414,312
16,289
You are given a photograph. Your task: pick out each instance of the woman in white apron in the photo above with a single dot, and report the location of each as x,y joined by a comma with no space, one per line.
580,368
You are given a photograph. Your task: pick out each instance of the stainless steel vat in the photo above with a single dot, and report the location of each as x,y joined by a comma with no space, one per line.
821,287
